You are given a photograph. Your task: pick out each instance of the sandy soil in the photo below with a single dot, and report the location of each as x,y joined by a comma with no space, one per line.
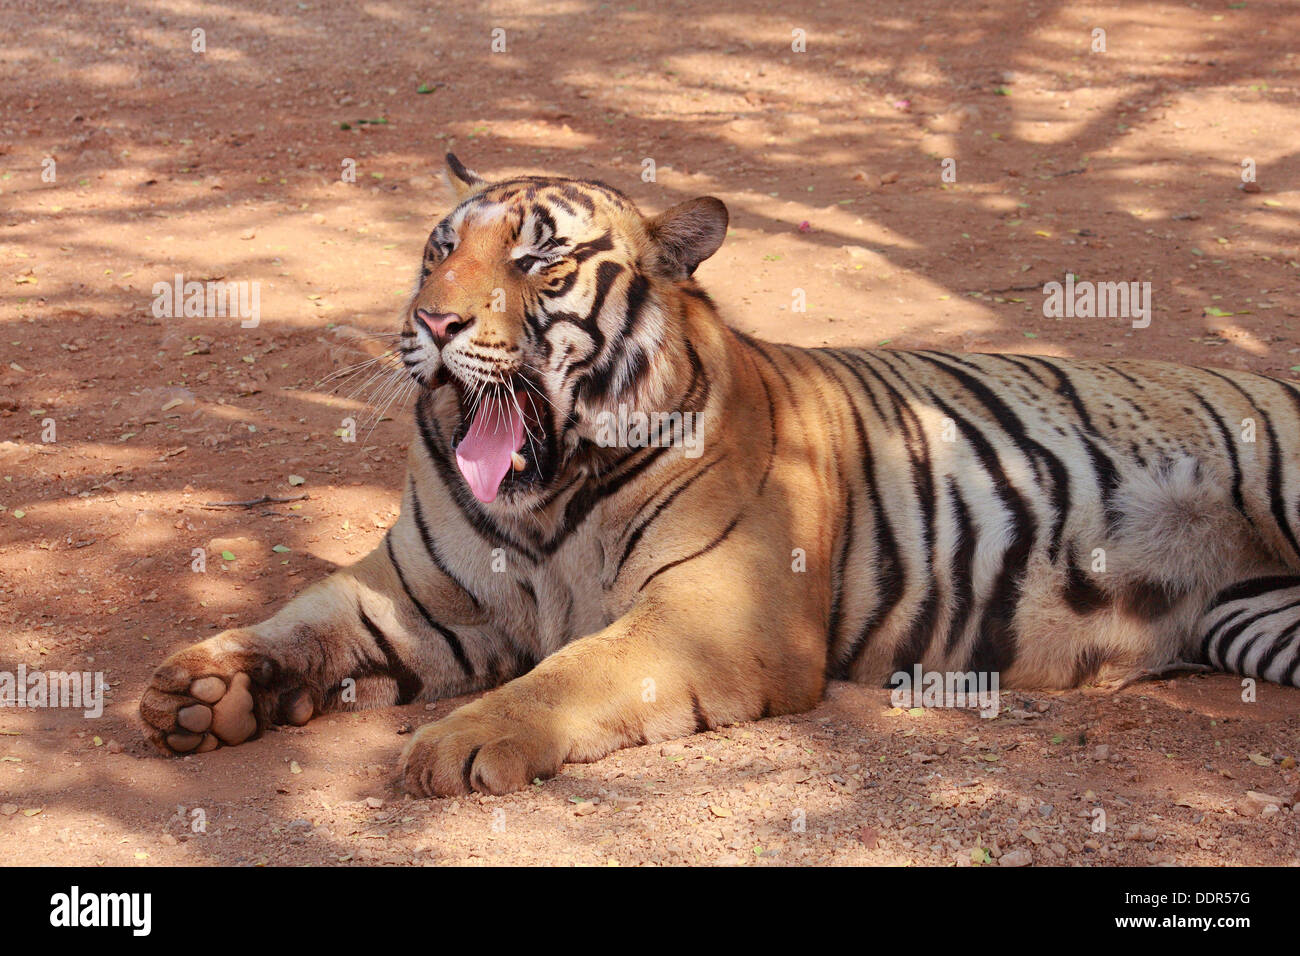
1118,166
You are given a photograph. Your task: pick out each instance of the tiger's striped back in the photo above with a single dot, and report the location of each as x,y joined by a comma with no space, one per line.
1043,518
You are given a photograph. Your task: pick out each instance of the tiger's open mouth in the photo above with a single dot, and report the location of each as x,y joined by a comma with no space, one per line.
503,445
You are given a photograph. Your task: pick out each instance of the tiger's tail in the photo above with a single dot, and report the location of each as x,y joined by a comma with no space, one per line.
1253,628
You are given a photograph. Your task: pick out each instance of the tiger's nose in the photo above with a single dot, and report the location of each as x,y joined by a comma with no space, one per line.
442,325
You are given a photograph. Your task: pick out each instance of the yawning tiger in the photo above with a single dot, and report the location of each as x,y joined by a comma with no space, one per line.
842,513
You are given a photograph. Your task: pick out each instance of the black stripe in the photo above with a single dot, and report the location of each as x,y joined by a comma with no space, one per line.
409,683
1108,481
771,424
640,529
890,576
701,722
995,648
691,557
1213,632
841,569
1276,502
912,649
431,547
1080,592
1254,587
1230,447
1065,388
1223,640
453,641
1015,430
1235,664
963,568
863,363
1283,640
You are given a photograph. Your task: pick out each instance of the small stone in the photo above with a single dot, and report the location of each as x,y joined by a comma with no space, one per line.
1101,752
888,178
168,839
585,809
1045,810
374,803
114,747
1017,857
8,809
1265,799
1251,187
1141,833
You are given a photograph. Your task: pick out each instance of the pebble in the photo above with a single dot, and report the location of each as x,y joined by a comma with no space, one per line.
1017,857
1142,833
1264,800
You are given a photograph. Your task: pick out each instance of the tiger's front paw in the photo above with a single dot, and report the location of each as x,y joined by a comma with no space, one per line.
473,749
221,691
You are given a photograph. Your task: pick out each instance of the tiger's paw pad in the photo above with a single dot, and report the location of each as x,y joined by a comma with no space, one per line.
460,754
189,709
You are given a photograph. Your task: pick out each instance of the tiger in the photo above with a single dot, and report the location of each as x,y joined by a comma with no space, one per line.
846,514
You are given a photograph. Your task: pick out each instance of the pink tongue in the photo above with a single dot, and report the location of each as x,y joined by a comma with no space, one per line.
484,455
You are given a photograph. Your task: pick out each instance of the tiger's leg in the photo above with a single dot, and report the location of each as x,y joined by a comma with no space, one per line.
360,638
680,662
1253,628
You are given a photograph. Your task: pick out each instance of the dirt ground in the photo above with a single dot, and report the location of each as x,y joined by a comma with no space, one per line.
1122,165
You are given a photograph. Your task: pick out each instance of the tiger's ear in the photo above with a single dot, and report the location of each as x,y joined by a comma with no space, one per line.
462,181
687,234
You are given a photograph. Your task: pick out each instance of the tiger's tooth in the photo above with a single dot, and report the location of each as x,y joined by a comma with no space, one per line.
517,461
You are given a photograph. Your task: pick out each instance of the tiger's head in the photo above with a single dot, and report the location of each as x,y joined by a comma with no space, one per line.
541,303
